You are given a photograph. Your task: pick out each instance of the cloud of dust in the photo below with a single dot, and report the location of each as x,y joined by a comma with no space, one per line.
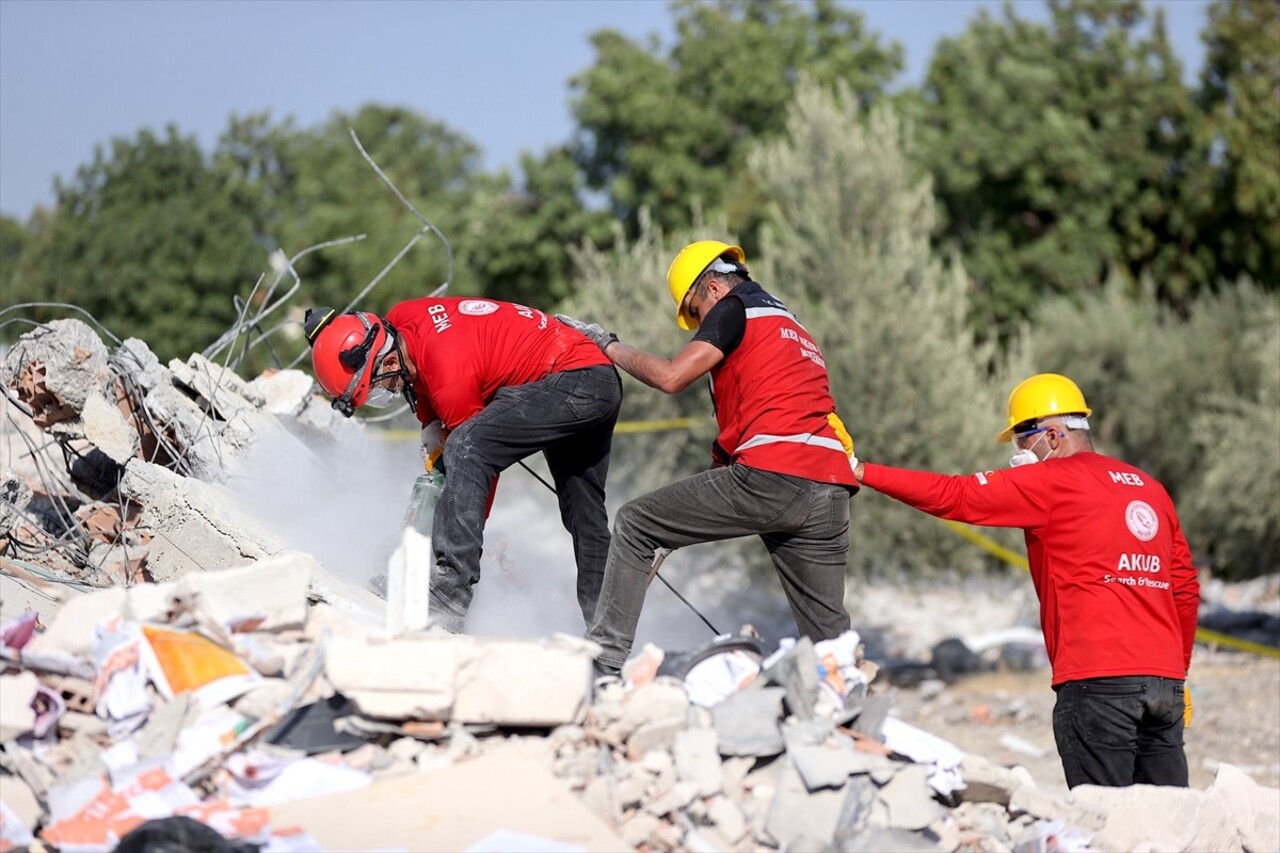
343,499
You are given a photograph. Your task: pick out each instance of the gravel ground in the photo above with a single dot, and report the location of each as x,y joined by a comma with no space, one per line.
1008,717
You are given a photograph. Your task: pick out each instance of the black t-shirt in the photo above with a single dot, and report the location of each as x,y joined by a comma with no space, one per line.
724,325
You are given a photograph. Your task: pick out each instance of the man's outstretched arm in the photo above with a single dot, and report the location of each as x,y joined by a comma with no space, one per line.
669,375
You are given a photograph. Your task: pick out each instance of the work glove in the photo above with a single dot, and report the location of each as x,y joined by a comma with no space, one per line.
594,331
1186,706
433,438
845,439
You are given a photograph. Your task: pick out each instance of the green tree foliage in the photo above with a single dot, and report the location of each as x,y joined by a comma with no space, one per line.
516,239
1235,509
1240,93
625,290
1057,151
847,248
1167,390
328,192
666,132
150,239
13,240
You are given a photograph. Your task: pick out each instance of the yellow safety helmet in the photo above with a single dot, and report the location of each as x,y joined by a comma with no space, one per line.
1040,396
691,263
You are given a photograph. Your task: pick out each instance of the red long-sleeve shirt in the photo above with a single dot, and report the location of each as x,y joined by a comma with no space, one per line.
1118,593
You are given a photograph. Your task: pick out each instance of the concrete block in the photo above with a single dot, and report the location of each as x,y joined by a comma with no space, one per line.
678,797
727,819
524,682
827,766
747,722
909,799
74,363
651,737
797,672
17,717
988,782
698,760
661,701
795,813
283,392
463,679
274,587
105,426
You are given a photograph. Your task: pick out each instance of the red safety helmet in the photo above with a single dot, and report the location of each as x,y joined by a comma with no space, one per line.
345,351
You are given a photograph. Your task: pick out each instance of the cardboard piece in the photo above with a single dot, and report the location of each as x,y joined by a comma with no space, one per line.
453,808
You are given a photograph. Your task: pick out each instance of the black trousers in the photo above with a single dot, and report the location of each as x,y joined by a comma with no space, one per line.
1119,731
569,417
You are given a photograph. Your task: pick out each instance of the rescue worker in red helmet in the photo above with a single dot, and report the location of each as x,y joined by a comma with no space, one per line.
1119,597
501,381
780,465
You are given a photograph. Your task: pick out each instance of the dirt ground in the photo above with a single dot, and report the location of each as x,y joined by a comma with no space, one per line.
1008,717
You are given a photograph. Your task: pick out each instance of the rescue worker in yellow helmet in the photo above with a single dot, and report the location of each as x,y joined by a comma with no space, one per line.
780,466
1119,598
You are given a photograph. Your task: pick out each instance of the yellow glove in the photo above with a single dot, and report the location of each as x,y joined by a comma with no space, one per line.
1186,706
841,433
433,438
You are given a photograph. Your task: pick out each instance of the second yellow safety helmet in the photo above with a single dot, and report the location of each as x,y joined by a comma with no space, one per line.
688,265
1040,396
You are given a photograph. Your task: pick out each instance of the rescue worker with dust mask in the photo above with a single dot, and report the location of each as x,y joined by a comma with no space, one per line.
1119,597
781,465
500,382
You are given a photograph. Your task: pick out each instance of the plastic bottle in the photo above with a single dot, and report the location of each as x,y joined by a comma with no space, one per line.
422,501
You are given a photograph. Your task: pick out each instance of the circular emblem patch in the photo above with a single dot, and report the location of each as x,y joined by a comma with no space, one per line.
477,307
1142,520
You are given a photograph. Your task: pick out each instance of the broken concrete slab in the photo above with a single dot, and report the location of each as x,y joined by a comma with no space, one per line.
697,760
909,800
879,839
747,722
283,392
464,679
198,525
988,782
444,809
1157,817
1256,808
55,368
797,672
106,427
796,813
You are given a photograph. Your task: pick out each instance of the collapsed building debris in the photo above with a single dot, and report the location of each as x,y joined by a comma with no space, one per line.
232,698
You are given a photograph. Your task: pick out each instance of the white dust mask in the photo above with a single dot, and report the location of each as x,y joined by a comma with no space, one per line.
1027,455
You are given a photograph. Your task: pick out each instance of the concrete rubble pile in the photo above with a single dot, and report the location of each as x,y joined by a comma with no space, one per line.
147,449
246,692
235,699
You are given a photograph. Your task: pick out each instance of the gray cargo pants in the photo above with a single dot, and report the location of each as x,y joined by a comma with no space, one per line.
803,524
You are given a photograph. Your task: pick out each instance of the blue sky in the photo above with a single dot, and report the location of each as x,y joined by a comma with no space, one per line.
74,74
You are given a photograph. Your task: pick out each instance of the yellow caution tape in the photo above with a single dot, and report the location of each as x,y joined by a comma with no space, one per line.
1204,635
1013,558
987,544
660,426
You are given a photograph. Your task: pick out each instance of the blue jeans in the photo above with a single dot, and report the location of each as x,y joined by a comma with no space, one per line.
1120,731
804,526
569,416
